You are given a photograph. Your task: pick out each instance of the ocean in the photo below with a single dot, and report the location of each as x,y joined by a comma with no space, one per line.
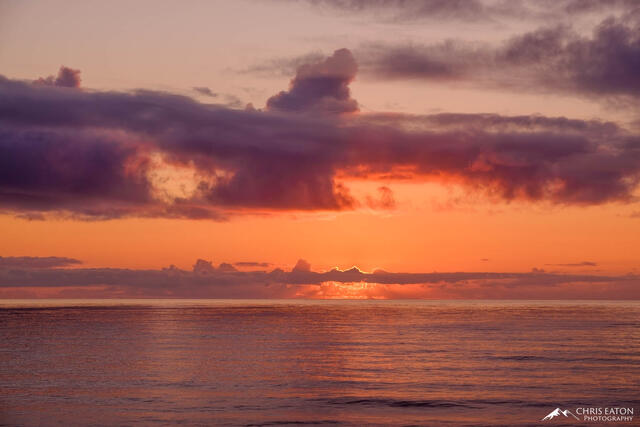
296,362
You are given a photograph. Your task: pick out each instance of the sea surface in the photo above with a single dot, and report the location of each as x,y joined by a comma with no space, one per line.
258,362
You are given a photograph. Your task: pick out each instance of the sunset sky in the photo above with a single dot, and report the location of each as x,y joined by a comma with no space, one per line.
259,149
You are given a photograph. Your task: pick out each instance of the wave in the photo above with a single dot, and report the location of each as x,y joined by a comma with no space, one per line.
295,422
466,404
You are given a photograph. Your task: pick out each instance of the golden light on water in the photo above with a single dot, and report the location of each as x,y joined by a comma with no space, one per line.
356,290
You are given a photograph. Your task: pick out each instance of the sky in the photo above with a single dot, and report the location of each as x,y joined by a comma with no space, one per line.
320,149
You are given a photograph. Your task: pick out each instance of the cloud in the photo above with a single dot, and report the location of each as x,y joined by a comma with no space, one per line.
549,59
385,199
202,266
203,90
101,155
243,264
605,64
284,66
577,264
320,87
26,262
80,170
206,267
205,280
67,77
94,150
302,266
470,10
531,158
473,11
449,60
226,267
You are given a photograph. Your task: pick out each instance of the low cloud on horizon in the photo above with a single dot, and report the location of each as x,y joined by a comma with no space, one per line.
48,277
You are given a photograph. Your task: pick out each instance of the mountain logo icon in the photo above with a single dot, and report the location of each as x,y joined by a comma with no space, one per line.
557,412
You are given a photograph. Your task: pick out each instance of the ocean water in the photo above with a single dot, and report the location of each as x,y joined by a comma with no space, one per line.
252,362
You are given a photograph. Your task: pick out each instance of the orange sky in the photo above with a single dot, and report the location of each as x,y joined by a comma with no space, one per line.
423,233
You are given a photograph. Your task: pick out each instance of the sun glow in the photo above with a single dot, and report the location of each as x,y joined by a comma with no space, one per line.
355,290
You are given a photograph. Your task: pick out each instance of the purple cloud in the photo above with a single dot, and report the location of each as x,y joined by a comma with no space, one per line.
400,11
203,90
320,87
26,262
67,77
83,171
549,59
91,154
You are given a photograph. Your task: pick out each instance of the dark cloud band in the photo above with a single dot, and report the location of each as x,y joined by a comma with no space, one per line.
94,155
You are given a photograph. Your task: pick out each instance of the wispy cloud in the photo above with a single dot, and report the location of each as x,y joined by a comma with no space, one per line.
472,11
549,59
28,262
576,264
67,77
249,264
203,90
